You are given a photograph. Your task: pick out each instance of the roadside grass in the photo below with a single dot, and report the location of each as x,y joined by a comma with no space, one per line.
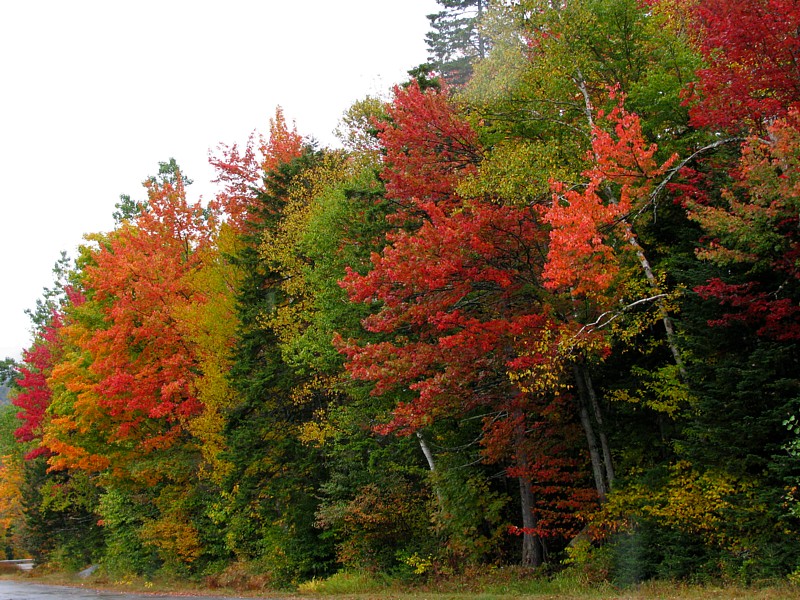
493,584
517,584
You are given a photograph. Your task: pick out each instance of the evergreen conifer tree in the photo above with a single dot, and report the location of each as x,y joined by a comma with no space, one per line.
455,40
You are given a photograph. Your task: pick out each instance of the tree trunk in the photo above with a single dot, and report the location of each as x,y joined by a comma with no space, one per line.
532,545
481,41
591,438
608,461
672,339
426,450
533,550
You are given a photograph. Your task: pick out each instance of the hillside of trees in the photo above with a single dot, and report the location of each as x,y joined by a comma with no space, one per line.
541,307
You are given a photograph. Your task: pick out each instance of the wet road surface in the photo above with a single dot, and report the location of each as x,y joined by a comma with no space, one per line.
15,590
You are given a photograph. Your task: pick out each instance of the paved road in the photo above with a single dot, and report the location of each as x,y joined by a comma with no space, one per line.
15,590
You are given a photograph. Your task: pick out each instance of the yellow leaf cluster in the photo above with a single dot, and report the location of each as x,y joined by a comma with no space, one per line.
283,249
211,327
316,433
11,478
172,532
690,501
176,540
519,172
661,390
546,375
695,502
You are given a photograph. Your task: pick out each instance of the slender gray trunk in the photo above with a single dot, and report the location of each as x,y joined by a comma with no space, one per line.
598,417
591,438
672,339
481,41
426,450
533,550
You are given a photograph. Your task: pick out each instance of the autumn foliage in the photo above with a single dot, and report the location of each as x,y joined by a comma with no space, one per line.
34,397
428,145
752,47
550,316
138,282
240,172
756,227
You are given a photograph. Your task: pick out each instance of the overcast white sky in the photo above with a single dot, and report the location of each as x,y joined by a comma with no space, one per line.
94,93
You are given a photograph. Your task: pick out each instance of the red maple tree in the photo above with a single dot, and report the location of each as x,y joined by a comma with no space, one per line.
460,306
35,394
428,146
752,48
241,173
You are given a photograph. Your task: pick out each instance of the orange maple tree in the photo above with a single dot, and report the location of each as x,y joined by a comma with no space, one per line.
131,369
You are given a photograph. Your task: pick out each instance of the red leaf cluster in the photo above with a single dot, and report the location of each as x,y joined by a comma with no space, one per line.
35,395
241,173
585,223
460,284
753,51
756,226
429,147
776,318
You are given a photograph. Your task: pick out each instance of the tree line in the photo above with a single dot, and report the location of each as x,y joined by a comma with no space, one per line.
540,307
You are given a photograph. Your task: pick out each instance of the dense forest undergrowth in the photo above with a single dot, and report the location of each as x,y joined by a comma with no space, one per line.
540,309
